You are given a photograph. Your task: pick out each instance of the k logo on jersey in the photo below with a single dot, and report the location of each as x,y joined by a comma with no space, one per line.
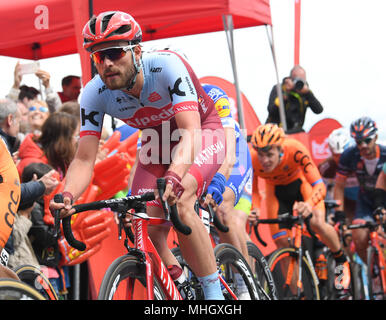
89,117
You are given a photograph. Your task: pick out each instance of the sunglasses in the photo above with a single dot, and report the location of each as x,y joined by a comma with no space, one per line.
366,141
34,108
113,54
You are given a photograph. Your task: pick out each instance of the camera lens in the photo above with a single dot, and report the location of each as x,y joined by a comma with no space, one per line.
299,84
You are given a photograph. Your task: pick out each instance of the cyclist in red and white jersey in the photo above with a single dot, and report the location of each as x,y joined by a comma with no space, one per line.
182,136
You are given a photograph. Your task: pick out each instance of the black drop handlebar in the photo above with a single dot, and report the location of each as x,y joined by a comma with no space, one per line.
121,205
216,221
288,220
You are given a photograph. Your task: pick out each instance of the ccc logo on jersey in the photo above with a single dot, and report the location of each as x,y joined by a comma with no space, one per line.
223,107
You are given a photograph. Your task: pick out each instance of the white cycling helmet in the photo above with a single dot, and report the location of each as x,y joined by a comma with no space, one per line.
338,140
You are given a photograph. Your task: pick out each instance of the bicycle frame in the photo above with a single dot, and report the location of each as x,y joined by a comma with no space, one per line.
296,243
143,249
154,265
374,242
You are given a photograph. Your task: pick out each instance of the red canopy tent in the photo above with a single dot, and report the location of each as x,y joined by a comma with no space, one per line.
24,33
39,29
35,29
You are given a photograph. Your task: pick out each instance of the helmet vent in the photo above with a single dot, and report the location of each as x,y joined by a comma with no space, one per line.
105,21
120,30
92,25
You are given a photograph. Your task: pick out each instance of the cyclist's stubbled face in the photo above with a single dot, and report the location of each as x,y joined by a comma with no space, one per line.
119,73
270,159
368,150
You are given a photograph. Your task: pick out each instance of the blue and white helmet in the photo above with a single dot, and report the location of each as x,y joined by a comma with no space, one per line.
339,140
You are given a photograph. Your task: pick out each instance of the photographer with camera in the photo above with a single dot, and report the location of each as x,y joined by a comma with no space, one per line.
297,97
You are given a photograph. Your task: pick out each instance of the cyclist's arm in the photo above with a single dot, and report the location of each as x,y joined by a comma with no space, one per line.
311,173
183,156
80,171
380,189
230,159
343,172
132,170
381,181
255,182
340,183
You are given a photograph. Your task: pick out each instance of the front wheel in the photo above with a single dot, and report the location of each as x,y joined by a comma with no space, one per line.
375,283
279,262
125,279
262,273
236,272
11,289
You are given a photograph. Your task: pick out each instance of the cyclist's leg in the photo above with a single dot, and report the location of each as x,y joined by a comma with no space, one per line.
279,235
330,238
196,248
241,219
243,209
360,237
145,181
325,231
226,214
241,174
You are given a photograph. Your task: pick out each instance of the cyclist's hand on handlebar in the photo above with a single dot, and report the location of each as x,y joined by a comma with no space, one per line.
208,200
303,208
168,195
253,216
380,214
65,207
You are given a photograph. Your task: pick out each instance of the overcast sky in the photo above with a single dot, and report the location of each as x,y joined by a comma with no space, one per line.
343,49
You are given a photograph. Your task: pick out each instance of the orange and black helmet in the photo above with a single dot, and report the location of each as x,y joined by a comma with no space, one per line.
267,135
363,128
111,26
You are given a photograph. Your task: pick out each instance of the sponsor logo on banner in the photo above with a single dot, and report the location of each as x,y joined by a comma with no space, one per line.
320,150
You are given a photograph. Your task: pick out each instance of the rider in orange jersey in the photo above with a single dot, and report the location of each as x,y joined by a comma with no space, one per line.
292,182
10,198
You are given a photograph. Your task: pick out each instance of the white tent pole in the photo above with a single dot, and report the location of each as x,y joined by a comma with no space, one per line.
228,27
278,86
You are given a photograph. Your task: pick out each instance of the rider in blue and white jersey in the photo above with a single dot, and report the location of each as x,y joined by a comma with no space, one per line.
229,182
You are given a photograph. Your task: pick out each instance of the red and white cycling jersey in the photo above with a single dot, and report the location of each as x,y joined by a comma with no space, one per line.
170,86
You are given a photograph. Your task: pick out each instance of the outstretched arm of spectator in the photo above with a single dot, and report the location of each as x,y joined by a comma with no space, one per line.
34,189
14,92
52,97
31,191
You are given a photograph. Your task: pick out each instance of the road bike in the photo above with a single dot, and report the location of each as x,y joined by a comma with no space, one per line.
358,284
292,267
230,262
140,274
376,273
